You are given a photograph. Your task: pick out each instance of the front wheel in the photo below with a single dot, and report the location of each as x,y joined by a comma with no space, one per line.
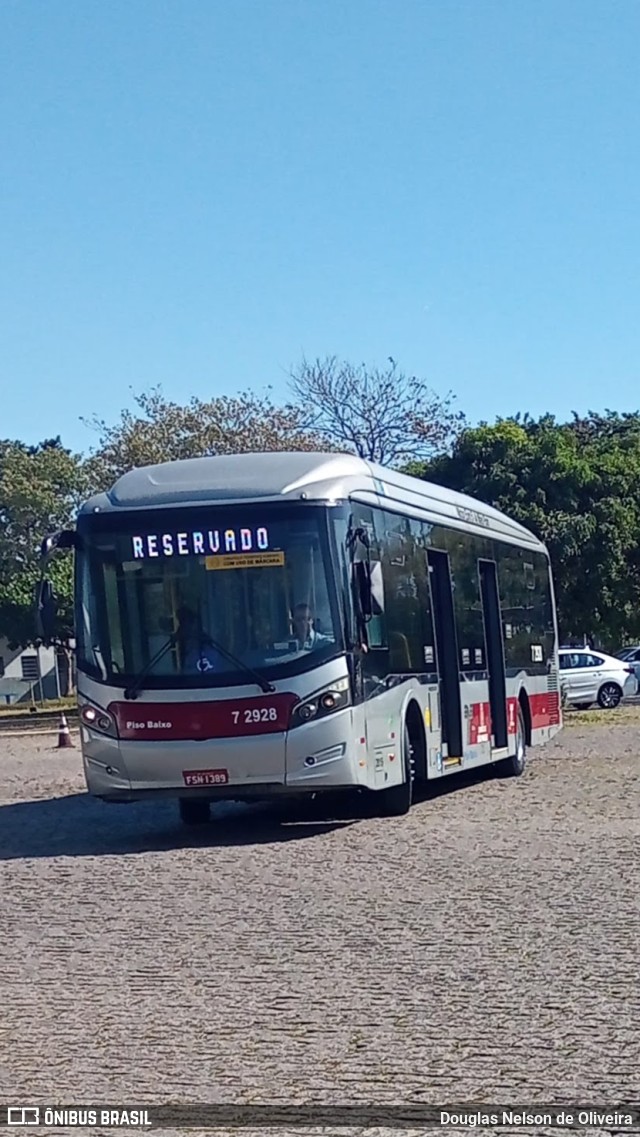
194,811
609,696
514,766
397,800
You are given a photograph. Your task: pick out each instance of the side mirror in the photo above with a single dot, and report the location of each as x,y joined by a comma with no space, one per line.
65,539
46,610
359,555
370,588
377,588
363,588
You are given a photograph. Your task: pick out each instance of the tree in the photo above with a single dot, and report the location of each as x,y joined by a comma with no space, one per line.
383,415
577,486
40,488
164,431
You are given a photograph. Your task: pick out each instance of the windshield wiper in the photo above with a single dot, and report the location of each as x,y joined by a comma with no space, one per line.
133,691
263,683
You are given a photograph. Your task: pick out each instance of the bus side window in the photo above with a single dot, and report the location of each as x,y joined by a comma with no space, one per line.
525,595
544,605
465,551
408,616
516,605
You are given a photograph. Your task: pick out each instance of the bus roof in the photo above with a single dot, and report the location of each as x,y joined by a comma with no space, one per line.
308,475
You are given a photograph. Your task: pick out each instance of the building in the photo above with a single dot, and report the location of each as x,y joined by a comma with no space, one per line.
30,674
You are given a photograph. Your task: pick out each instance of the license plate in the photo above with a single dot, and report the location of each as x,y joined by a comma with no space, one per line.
205,777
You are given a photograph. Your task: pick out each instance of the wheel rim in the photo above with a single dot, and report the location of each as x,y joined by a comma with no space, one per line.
609,696
410,759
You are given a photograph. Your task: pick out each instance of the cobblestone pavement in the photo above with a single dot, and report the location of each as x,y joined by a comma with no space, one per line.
483,949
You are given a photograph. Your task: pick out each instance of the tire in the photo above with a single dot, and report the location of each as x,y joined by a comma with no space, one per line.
583,706
609,696
397,801
194,811
515,765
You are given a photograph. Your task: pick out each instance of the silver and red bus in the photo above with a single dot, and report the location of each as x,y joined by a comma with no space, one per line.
270,626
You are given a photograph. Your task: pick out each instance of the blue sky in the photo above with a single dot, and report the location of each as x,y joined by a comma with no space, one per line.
195,193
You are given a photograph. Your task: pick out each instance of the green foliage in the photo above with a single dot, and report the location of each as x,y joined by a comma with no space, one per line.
577,486
40,486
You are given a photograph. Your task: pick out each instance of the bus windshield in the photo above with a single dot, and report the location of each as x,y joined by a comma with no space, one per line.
209,589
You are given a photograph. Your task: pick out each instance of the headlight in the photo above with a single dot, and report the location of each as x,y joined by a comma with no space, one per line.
97,719
324,702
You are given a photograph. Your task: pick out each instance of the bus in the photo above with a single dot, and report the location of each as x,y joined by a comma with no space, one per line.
269,626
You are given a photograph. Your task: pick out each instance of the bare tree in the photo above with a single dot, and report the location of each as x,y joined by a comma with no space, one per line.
384,415
161,431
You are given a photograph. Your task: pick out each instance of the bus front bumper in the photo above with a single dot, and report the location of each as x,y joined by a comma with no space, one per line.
311,758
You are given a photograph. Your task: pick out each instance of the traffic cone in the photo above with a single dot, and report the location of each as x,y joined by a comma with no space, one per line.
64,734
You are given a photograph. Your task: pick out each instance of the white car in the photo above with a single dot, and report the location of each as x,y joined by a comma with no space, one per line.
631,658
588,677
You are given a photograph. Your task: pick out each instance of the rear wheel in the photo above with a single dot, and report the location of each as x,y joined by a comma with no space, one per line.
609,695
396,801
194,811
514,766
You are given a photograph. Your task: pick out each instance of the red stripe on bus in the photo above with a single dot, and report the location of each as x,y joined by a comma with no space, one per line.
479,723
224,718
544,707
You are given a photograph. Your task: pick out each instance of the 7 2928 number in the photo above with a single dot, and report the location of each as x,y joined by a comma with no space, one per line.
256,714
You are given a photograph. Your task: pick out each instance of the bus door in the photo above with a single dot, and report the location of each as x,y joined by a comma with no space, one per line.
444,626
495,651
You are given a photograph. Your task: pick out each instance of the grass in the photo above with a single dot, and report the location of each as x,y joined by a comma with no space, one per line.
597,717
47,705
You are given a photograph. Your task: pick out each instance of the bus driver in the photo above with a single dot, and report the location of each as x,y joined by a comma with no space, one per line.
304,631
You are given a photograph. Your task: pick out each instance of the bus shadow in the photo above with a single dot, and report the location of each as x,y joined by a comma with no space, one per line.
80,826
454,783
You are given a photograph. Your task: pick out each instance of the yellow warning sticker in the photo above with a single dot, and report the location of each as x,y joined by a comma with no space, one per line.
244,560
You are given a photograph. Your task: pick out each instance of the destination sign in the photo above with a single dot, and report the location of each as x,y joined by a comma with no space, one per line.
200,543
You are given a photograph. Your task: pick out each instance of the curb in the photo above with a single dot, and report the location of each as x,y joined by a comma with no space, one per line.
25,724
32,733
